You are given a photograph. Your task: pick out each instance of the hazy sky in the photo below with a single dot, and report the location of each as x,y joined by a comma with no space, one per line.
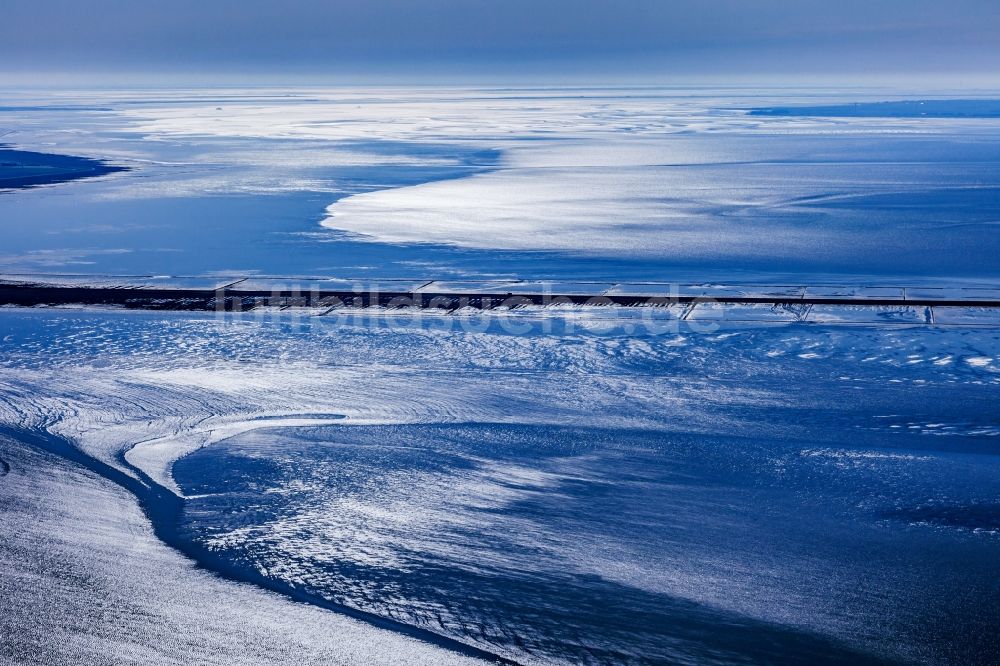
629,38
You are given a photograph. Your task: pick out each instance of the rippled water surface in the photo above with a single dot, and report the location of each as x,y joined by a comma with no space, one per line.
564,485
792,518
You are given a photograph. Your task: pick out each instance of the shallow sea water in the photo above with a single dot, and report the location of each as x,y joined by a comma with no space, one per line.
755,493
563,492
611,546
646,184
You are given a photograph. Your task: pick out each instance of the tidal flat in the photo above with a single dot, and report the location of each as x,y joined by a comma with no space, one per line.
758,484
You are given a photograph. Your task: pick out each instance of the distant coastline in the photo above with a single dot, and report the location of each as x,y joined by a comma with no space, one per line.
932,108
21,169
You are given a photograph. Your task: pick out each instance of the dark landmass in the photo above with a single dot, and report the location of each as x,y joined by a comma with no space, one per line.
935,108
21,168
28,293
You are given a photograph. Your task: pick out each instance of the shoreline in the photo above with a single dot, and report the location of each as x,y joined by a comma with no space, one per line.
162,509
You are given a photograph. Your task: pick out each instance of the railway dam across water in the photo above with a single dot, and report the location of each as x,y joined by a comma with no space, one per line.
823,303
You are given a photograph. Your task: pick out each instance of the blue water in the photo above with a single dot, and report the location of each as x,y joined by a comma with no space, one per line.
787,494
886,200
241,233
754,494
752,544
